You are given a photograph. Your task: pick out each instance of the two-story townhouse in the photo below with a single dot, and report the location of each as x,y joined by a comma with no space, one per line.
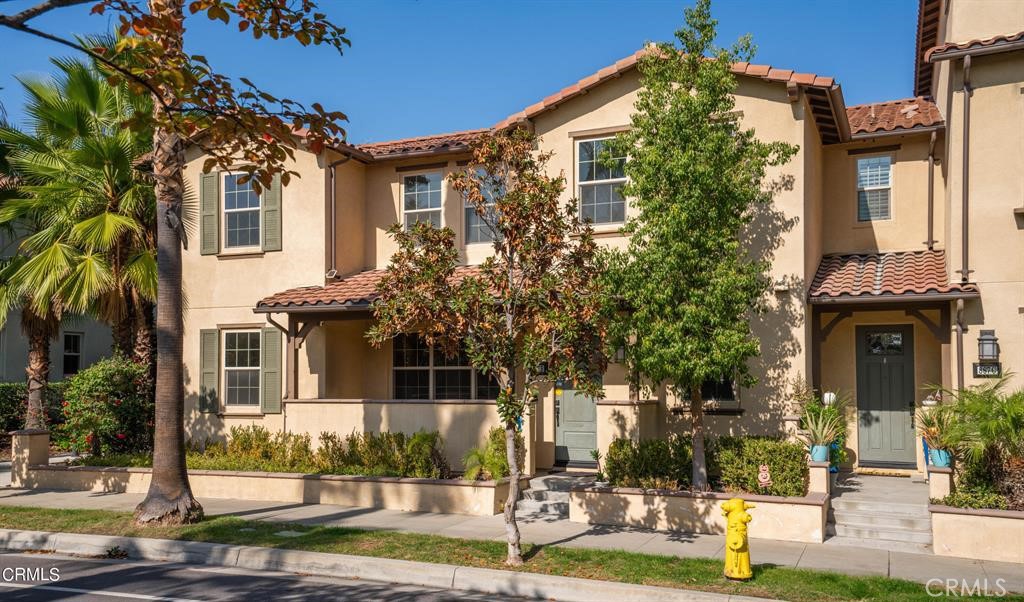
867,299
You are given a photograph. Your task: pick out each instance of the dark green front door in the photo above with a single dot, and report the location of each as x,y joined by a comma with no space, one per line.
575,426
885,396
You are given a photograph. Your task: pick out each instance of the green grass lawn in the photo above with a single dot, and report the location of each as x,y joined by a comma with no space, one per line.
692,573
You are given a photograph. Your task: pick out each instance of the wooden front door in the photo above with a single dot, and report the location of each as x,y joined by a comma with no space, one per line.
885,396
575,426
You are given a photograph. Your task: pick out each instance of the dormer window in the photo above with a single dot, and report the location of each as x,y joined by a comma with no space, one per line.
421,195
874,188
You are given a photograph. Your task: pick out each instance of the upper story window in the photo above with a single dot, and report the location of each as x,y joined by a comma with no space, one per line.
600,185
421,199
477,227
241,213
72,353
422,372
874,188
242,367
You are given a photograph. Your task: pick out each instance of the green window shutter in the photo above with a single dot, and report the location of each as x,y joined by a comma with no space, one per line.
270,372
209,213
209,370
271,205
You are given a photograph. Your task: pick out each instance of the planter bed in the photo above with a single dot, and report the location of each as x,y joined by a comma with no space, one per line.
980,534
453,496
788,518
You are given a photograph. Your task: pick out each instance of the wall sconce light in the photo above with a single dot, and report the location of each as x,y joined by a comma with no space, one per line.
620,354
988,346
542,369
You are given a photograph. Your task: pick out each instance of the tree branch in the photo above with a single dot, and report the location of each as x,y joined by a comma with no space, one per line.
24,16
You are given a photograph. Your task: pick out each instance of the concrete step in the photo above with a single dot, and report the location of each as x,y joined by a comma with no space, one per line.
545,495
874,507
879,544
881,520
558,482
870,532
543,507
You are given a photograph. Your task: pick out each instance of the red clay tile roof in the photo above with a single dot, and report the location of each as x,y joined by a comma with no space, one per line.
355,290
904,114
994,41
451,142
929,13
911,273
766,72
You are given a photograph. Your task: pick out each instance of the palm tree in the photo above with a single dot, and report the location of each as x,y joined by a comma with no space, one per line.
94,244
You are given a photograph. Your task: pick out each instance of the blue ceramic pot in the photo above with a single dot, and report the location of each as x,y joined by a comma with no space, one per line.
940,458
819,453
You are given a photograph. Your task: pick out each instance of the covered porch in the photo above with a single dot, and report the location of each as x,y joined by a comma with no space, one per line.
884,331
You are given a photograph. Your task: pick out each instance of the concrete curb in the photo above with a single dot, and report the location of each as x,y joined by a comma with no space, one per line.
403,572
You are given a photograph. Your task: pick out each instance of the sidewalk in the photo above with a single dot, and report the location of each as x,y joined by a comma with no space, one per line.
844,559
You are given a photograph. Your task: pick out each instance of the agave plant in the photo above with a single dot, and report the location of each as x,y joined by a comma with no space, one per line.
821,428
936,426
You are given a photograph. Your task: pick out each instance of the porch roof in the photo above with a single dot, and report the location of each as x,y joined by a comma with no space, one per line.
349,293
909,275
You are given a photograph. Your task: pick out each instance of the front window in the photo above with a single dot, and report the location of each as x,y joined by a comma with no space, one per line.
422,199
241,212
478,228
718,390
72,353
600,185
874,188
242,367
422,372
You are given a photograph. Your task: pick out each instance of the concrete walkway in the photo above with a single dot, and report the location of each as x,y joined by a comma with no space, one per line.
554,531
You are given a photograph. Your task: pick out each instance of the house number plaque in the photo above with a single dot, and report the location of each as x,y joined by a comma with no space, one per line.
988,370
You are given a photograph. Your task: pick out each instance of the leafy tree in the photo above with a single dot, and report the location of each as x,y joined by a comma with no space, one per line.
695,177
194,104
95,247
531,313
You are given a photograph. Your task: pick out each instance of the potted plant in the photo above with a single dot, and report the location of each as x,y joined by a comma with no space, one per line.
820,430
935,426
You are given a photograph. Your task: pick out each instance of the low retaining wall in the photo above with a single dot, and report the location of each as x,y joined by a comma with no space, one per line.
789,518
479,498
980,534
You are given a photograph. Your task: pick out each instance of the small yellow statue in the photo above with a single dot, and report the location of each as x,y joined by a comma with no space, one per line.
737,550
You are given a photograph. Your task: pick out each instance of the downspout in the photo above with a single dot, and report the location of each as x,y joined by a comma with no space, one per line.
965,270
959,344
931,192
332,177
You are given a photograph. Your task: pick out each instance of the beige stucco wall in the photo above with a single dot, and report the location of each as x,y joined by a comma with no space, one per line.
791,519
981,534
839,363
907,230
996,243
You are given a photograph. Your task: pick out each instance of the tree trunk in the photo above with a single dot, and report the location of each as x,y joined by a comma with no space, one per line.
700,469
515,552
142,351
123,330
169,499
38,370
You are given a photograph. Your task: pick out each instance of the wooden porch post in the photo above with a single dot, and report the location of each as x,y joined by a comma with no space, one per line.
816,340
946,354
292,360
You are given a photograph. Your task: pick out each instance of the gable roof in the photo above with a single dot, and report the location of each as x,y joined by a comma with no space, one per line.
894,116
420,145
823,92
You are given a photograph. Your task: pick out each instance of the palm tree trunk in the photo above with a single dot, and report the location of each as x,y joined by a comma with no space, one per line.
170,499
700,469
123,328
143,328
38,370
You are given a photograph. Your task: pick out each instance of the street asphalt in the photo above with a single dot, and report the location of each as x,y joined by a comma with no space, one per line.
50,577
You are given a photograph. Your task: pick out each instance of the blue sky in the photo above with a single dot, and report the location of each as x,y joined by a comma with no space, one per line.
432,66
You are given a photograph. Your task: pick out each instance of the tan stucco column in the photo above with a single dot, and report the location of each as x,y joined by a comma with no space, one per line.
29,447
530,438
819,481
940,482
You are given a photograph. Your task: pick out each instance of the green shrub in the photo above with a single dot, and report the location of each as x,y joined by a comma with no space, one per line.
650,463
14,404
734,463
490,462
980,498
108,408
273,452
424,456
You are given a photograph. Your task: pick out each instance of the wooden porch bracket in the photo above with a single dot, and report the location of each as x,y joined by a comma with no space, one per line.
932,327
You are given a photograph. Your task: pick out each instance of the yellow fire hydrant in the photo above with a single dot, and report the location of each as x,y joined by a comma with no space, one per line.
737,549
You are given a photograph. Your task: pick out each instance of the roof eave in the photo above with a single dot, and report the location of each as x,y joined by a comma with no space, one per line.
312,309
901,298
860,136
993,48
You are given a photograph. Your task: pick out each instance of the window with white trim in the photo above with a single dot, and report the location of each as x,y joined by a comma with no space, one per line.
422,372
874,188
421,199
72,360
241,206
242,367
478,227
600,184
